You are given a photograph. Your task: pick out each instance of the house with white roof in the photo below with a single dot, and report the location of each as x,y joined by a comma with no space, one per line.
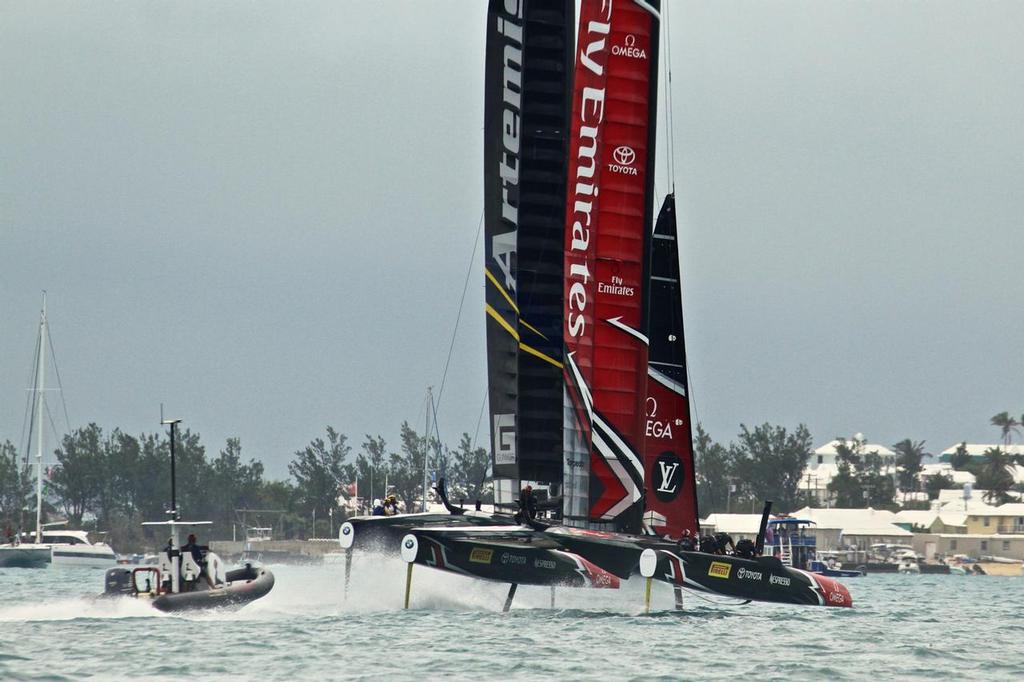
828,452
739,526
842,528
979,449
932,521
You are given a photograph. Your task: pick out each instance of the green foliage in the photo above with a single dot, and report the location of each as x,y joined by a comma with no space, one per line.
469,471
1007,425
768,463
993,476
933,484
407,468
16,481
960,459
371,468
320,473
908,461
713,471
860,481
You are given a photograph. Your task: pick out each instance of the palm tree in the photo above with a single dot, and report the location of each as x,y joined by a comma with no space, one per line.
994,477
1007,424
908,460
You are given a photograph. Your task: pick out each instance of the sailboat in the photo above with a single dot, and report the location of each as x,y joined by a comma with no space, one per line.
35,554
603,421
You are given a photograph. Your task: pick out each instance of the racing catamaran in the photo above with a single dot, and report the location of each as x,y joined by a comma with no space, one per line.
616,447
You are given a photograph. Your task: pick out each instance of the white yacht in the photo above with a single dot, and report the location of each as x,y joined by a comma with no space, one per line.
72,548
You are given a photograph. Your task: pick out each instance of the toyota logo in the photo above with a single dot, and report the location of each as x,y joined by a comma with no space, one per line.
624,156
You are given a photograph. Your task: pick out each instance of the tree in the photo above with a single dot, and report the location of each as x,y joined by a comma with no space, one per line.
994,477
470,466
961,459
407,468
933,484
15,488
238,485
769,462
713,470
908,461
75,480
1007,425
371,468
860,480
320,473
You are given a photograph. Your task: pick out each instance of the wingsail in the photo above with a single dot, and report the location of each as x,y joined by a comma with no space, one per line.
670,483
609,209
527,82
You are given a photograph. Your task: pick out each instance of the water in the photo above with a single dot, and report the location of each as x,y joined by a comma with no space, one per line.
911,627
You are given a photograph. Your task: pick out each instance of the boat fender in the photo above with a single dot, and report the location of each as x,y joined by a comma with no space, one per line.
346,535
648,562
410,548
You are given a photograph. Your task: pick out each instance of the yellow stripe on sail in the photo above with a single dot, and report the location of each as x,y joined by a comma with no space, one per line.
502,290
545,358
532,328
500,320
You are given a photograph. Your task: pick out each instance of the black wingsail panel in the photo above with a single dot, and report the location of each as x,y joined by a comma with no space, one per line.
670,484
529,47
547,80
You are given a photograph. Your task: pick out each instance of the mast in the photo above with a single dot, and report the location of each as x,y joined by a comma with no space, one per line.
40,397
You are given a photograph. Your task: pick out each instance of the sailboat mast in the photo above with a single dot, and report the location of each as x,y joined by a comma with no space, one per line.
40,396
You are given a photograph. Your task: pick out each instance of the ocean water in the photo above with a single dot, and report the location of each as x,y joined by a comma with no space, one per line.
905,627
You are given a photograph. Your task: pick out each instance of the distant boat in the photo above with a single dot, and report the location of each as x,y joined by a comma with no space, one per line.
16,553
178,582
73,549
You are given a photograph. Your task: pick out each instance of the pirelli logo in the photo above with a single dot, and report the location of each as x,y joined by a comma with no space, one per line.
719,569
479,555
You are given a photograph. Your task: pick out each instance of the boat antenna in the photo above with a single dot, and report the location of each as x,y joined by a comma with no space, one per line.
174,496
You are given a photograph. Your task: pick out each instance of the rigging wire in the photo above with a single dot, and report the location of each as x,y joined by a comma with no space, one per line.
30,403
60,384
670,166
458,317
670,128
480,419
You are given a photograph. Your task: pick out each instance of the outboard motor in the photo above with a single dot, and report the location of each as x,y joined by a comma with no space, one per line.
118,582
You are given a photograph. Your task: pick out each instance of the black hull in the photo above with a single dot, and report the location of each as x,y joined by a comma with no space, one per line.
519,559
384,533
758,579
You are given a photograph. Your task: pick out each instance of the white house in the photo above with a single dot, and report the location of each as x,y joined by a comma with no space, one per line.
827,453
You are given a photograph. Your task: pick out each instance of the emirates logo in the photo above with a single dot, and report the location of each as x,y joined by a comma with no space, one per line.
624,156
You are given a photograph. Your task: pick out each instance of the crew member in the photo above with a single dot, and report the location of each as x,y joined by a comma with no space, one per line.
686,543
724,541
192,548
527,505
378,508
391,506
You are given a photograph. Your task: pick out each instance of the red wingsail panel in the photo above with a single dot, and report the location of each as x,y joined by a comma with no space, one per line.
609,208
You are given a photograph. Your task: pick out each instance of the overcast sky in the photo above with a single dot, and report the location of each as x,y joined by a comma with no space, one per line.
262,214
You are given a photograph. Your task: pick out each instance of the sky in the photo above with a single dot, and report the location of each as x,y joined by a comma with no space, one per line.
262,215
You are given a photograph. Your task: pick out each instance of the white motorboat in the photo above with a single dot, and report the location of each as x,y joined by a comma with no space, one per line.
17,555
72,548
